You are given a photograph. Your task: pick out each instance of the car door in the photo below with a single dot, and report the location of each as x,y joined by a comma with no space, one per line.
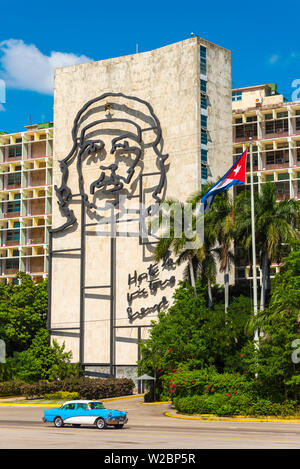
67,412
81,415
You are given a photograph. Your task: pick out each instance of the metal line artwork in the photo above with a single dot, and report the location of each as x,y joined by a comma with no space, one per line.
84,146
109,183
154,283
144,311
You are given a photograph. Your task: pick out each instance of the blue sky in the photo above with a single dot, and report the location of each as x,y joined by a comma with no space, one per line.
262,36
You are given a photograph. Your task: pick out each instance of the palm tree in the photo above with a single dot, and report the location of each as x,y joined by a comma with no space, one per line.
219,233
275,227
170,241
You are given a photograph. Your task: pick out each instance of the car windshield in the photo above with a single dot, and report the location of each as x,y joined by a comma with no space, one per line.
96,405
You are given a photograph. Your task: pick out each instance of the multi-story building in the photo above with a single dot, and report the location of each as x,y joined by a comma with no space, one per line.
147,127
26,198
263,115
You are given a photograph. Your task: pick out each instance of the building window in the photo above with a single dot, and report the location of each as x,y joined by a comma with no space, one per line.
12,264
255,179
204,156
251,119
283,176
277,157
203,122
277,126
236,96
282,189
203,172
14,206
13,235
203,102
203,60
15,151
14,178
204,138
245,131
238,150
280,115
203,86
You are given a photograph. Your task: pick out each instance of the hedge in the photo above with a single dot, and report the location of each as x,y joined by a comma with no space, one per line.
183,383
87,388
227,404
62,396
11,388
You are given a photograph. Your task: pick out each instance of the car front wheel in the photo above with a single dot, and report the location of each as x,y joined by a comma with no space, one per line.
58,422
100,423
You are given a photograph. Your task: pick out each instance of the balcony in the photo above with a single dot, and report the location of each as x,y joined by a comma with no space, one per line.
35,236
36,265
11,242
276,159
37,207
242,132
10,271
12,186
10,159
275,128
11,214
296,125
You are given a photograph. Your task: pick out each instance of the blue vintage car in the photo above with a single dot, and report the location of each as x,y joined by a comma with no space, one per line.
78,413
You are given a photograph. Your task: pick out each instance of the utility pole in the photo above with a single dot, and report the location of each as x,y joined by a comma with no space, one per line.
254,274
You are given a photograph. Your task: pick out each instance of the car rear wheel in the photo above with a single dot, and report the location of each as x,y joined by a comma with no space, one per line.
120,425
58,422
100,423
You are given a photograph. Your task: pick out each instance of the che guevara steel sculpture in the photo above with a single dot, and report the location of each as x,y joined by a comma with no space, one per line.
117,110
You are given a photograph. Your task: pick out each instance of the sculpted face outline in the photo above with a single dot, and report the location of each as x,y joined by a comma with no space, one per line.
110,181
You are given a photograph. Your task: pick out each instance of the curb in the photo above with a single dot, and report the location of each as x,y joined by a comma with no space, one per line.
156,403
109,399
214,418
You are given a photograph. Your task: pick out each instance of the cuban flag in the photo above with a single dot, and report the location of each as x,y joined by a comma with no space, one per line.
235,175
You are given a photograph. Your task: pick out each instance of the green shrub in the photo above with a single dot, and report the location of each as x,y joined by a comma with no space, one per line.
11,388
87,388
207,381
218,404
266,407
41,388
62,396
227,404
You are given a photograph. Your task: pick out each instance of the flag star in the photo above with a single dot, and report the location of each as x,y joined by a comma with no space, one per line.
236,170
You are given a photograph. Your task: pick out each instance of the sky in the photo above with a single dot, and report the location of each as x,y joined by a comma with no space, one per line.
36,37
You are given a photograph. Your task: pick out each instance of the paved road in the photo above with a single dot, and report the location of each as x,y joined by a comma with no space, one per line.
147,428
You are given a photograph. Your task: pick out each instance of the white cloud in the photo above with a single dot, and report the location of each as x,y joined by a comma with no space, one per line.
25,67
273,59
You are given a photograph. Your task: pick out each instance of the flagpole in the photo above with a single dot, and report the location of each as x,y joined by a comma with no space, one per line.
254,273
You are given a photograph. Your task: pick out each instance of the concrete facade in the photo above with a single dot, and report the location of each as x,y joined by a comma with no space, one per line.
188,88
25,201
263,114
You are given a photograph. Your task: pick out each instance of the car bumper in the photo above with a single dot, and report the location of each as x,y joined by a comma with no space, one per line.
116,420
